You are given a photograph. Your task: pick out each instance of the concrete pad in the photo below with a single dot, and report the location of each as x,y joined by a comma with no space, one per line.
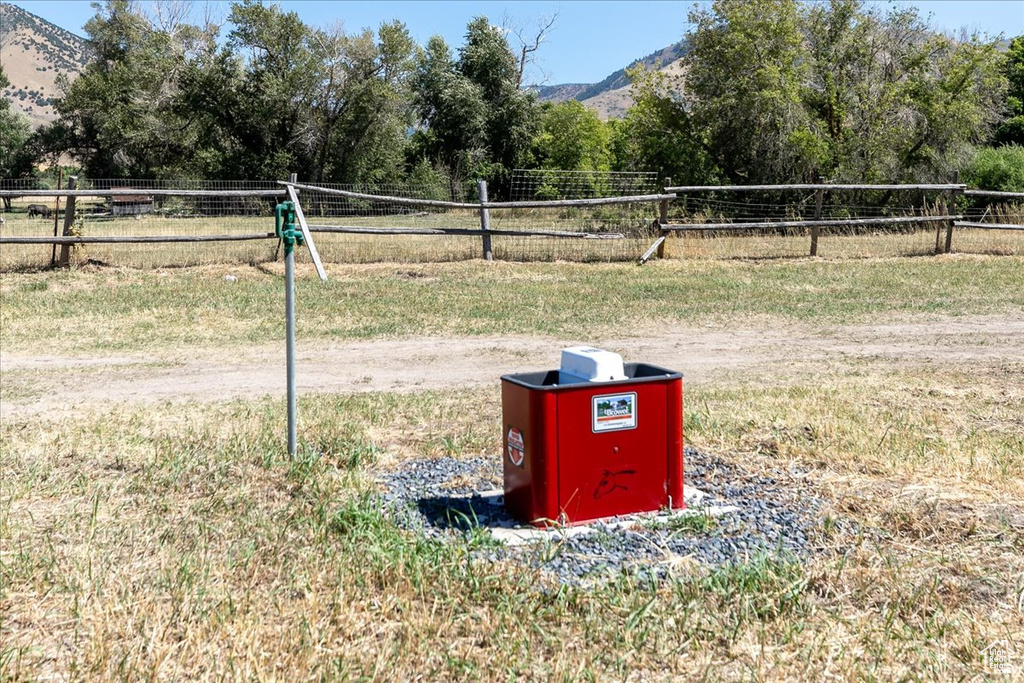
524,534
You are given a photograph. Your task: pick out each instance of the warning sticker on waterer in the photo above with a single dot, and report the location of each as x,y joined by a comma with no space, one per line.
516,447
614,411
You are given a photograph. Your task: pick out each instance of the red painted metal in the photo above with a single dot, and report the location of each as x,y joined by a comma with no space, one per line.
590,450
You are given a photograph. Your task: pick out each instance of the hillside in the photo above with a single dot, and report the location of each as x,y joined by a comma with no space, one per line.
612,104
33,52
610,97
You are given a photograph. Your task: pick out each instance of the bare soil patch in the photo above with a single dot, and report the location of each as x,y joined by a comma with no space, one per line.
41,384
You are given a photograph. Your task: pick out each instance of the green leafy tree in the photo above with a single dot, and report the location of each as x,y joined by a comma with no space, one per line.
487,60
746,69
268,81
474,120
573,138
14,132
840,44
362,104
276,97
120,114
659,133
15,159
1000,169
452,113
957,101
789,91
1011,129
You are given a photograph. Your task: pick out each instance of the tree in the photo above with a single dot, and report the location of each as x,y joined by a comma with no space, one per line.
164,99
746,67
659,133
121,112
957,101
270,79
1000,169
1011,129
15,130
362,105
452,112
474,119
794,92
510,115
572,138
530,44
282,97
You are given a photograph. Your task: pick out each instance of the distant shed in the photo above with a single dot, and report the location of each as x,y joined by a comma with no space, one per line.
130,204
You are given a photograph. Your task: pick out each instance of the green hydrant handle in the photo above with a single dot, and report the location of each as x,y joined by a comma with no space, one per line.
284,226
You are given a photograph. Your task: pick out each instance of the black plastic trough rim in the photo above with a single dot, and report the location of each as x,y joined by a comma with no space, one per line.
665,375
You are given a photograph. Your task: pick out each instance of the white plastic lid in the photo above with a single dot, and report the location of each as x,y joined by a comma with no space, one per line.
587,364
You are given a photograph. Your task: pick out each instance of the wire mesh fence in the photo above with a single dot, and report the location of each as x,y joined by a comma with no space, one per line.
144,207
906,238
322,204
416,233
527,184
635,222
585,233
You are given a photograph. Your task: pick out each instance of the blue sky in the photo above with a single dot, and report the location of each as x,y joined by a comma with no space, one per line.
590,39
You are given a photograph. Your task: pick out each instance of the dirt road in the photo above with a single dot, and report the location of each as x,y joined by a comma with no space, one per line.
36,385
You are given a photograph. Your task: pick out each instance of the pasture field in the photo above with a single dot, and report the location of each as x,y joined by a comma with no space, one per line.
152,527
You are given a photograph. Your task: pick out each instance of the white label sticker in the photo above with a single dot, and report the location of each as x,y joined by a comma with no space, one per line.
516,447
614,411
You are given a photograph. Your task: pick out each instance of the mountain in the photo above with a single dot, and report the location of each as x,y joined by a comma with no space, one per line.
559,93
32,53
610,97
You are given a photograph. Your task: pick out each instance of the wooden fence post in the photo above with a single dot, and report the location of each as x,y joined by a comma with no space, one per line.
69,220
944,207
663,218
485,219
819,196
56,214
953,194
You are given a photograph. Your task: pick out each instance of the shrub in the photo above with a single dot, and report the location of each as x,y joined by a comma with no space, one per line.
997,168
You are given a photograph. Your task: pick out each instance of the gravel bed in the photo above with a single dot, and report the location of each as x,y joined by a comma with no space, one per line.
778,514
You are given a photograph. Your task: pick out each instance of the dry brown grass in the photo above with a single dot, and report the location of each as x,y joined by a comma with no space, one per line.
843,246
175,543
956,431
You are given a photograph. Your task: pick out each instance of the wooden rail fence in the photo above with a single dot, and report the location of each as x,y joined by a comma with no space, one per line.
952,190
665,228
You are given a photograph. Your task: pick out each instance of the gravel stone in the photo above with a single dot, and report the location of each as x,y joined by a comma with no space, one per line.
778,515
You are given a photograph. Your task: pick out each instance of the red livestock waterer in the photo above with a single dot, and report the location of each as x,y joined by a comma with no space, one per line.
597,438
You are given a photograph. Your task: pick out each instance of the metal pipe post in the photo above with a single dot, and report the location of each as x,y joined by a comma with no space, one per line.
289,316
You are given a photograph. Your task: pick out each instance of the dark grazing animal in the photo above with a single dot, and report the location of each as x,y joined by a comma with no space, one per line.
39,210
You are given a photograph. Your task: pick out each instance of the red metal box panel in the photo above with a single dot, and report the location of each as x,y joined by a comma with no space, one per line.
584,451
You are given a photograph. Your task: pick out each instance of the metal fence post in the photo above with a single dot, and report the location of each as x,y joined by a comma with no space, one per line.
485,219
